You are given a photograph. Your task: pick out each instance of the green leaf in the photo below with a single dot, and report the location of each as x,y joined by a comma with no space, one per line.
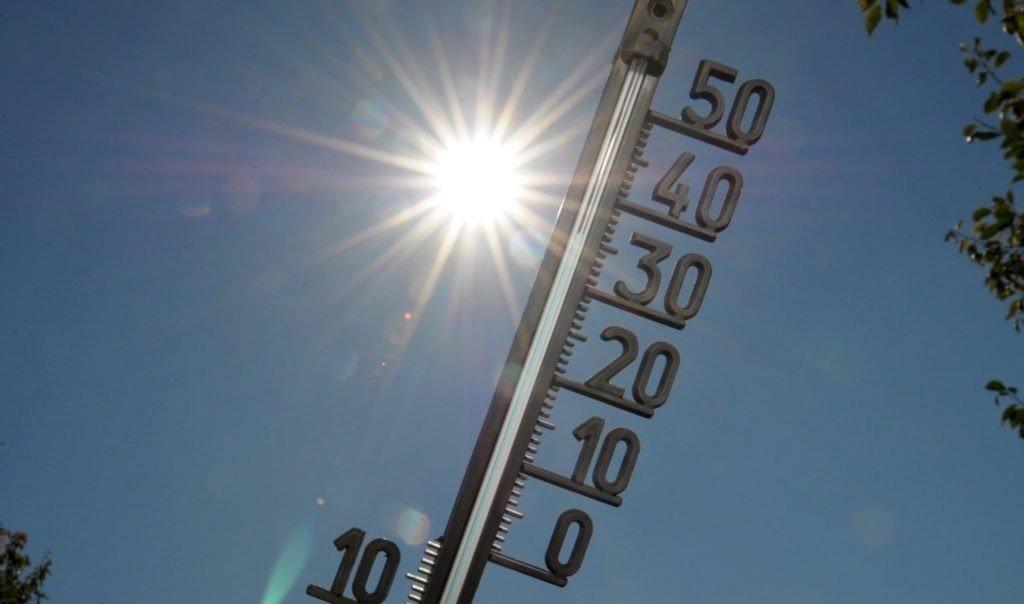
892,9
995,386
865,4
981,11
1002,58
873,18
989,231
1013,87
992,102
980,213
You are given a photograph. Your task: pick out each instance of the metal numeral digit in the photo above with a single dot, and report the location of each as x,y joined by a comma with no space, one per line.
674,194
702,90
557,572
677,199
349,543
590,432
579,546
700,286
659,251
602,379
766,97
707,196
737,139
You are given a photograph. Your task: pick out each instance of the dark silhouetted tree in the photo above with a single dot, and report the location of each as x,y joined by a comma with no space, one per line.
20,582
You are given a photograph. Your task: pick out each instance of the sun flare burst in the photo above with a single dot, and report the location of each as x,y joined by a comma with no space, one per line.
477,181
469,151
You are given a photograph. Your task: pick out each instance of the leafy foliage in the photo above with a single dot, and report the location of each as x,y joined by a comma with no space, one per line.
874,10
1014,412
995,239
20,583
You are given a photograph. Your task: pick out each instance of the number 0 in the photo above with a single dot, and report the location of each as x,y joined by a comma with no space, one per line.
579,546
765,97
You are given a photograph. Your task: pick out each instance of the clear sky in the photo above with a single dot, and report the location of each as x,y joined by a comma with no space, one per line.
227,335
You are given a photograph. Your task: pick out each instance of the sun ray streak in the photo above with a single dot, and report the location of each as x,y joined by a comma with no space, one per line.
294,133
551,143
434,274
525,74
393,221
404,246
447,80
423,101
501,270
529,219
483,111
566,96
540,121
494,69
411,126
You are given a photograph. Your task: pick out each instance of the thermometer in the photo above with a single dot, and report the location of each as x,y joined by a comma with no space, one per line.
537,367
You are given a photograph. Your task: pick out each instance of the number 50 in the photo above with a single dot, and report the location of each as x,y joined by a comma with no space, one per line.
701,89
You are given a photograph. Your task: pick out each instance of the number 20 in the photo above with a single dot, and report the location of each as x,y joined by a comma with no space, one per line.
630,349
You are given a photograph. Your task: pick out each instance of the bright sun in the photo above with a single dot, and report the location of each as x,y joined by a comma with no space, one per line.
476,181
460,154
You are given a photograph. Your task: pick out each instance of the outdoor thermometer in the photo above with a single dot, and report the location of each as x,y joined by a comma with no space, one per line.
538,369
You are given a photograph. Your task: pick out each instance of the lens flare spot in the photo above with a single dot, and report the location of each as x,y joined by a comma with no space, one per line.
369,64
348,367
383,367
413,526
404,142
408,316
194,210
242,191
398,329
873,527
526,248
289,564
320,502
369,119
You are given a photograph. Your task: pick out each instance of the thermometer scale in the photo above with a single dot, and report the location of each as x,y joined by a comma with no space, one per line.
537,368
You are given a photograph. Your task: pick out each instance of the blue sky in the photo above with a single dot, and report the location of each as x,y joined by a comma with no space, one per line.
221,350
